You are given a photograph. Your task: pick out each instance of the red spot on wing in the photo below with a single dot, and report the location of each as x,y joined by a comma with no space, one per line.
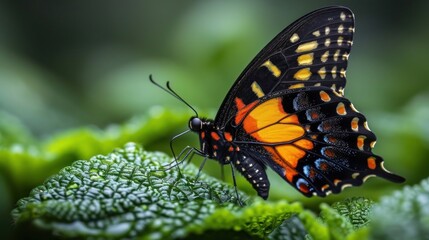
228,136
303,188
215,136
371,163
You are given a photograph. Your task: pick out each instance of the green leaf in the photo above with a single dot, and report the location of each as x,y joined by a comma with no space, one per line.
291,229
402,215
131,193
29,162
356,210
345,217
315,227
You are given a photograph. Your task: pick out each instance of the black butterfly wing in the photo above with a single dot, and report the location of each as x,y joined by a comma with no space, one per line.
312,51
312,137
287,109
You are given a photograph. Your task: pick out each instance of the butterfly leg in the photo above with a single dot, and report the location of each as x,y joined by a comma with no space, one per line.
222,172
201,168
235,185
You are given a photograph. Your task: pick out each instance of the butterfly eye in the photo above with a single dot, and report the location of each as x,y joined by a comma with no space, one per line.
195,124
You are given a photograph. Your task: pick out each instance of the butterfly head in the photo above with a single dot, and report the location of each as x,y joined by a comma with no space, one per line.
195,124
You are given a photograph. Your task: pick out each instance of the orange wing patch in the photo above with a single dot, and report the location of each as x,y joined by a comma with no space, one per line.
269,123
263,123
242,109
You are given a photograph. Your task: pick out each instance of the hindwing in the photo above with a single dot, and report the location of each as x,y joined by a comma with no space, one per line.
312,137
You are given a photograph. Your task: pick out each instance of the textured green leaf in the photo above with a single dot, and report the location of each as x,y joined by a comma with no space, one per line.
344,217
130,193
339,225
291,229
402,215
357,210
315,227
26,163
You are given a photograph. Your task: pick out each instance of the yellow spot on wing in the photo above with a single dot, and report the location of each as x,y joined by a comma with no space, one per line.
272,68
298,85
340,41
308,46
257,90
334,72
341,28
316,33
324,57
322,72
294,38
302,74
305,59
343,72
327,42
336,55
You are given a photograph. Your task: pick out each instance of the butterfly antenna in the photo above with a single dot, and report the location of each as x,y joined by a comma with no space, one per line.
170,91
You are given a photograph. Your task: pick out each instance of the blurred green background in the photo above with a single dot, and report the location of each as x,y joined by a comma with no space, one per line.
68,65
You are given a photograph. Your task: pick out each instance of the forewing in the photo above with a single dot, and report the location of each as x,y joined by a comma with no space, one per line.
312,51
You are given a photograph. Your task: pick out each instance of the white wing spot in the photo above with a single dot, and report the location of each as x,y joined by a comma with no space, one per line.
336,55
294,38
327,30
342,73
341,28
322,72
334,72
324,57
340,40
353,107
365,125
316,33
327,42
342,16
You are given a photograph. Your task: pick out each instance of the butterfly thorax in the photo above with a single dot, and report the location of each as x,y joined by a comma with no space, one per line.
214,143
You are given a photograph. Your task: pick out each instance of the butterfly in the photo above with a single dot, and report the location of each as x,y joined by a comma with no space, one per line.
287,110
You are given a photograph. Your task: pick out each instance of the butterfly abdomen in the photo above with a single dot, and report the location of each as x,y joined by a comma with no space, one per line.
254,172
